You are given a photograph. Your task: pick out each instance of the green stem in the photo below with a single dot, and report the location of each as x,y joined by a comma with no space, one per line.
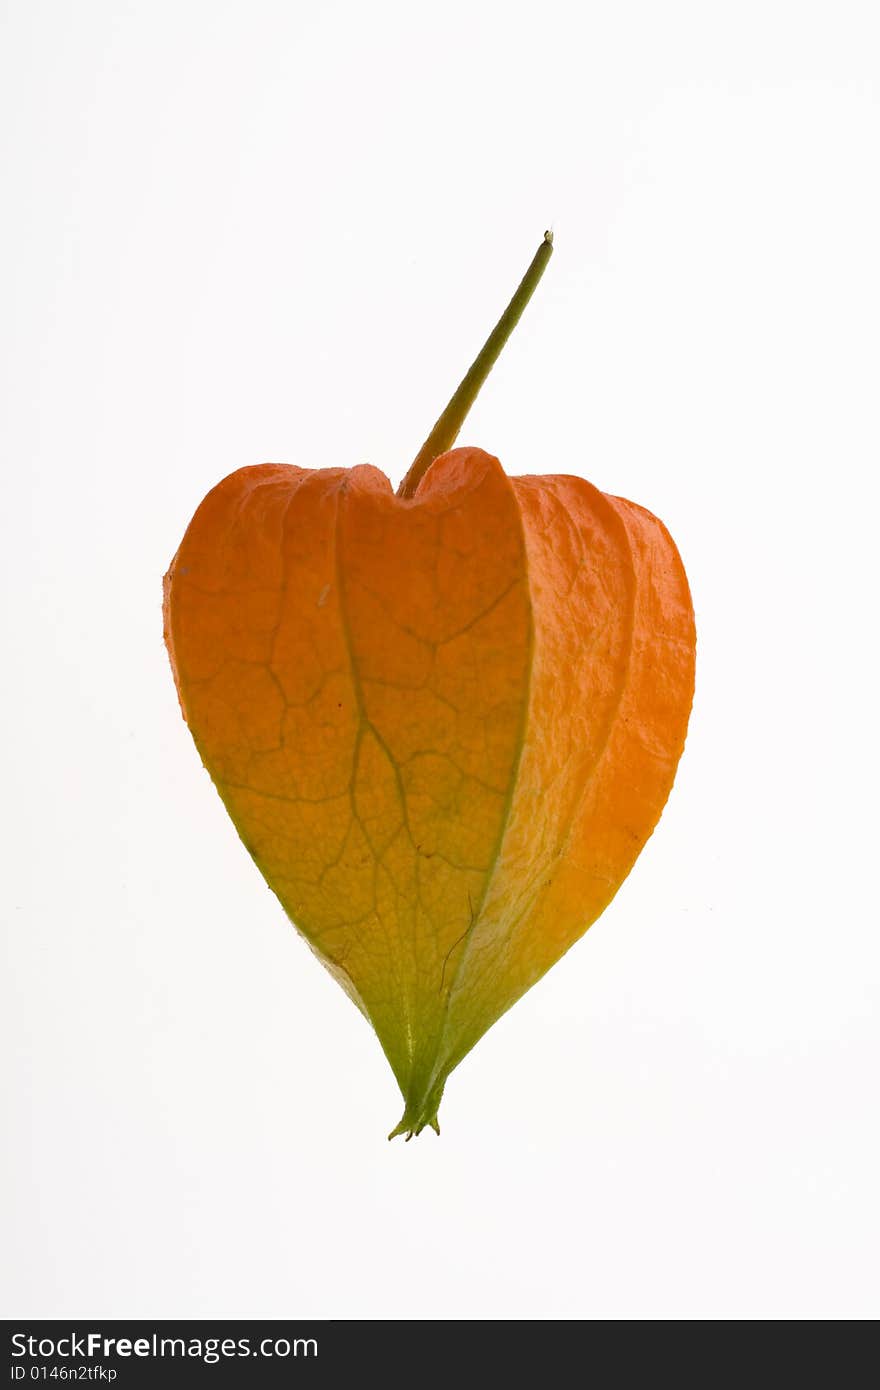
445,432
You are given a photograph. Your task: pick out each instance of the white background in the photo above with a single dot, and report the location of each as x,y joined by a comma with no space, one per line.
239,232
